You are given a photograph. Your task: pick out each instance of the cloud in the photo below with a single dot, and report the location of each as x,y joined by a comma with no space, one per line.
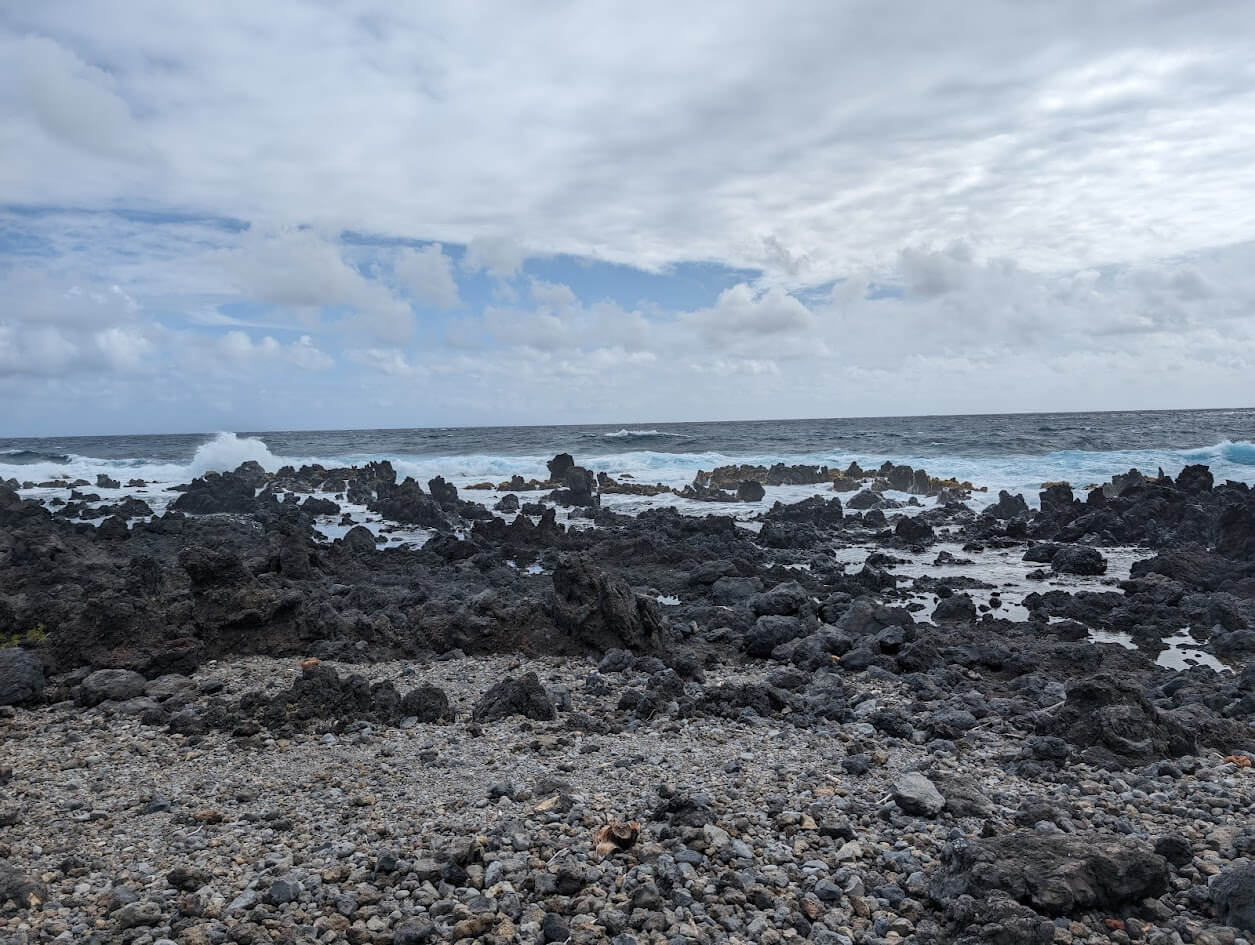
74,103
301,269
861,207
499,256
389,361
428,275
239,346
743,311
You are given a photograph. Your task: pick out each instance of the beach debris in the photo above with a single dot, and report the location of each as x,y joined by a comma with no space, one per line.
616,836
307,665
1242,761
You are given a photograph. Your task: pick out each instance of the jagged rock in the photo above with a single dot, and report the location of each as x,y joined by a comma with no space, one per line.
1116,725
1058,874
955,607
359,540
427,703
445,494
1008,506
915,794
865,500
408,504
21,676
209,567
750,491
315,505
1195,479
28,893
1078,559
601,611
522,696
1233,892
559,466
911,529
770,632
214,493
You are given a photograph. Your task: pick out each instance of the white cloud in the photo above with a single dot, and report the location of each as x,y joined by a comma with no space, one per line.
1053,203
302,269
428,274
73,102
389,361
239,346
743,311
499,256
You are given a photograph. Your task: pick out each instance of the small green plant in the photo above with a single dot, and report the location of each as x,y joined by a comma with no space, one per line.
36,634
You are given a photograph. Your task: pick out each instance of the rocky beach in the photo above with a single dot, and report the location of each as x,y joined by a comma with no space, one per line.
507,712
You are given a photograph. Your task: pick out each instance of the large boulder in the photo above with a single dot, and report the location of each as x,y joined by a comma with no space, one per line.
523,696
214,493
786,598
408,504
917,795
771,631
427,703
21,676
445,493
1233,893
1195,479
913,530
1078,559
580,485
601,611
1008,506
559,465
1116,725
112,685
1058,874
750,490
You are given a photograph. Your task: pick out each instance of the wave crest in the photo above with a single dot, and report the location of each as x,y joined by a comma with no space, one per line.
226,451
641,434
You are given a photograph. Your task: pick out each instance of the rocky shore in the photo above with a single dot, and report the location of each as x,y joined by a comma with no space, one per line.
872,716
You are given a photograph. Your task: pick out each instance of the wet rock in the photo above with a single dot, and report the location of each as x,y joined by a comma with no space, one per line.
559,466
408,504
359,540
1008,506
911,529
955,607
1078,559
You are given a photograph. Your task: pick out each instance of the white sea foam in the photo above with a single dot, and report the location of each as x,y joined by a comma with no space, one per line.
1020,473
226,452
630,434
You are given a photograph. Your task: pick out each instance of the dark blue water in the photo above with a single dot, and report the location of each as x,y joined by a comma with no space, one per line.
1016,451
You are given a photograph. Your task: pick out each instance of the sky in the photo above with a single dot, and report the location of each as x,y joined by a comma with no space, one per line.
312,215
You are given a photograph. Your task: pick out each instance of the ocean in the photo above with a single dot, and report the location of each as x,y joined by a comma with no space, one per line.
1017,452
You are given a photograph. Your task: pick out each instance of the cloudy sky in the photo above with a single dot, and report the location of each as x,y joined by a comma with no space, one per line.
243,215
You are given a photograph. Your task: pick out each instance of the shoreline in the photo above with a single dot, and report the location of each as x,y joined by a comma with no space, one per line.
240,729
